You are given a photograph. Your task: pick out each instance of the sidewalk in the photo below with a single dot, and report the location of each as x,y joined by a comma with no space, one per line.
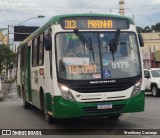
5,89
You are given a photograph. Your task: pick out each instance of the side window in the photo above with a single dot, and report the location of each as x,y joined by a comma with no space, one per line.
146,73
23,56
34,52
41,49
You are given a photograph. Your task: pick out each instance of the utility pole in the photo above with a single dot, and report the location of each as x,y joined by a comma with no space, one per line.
121,7
8,36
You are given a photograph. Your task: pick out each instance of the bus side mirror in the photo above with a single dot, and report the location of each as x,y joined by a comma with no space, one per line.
112,46
48,42
140,37
141,41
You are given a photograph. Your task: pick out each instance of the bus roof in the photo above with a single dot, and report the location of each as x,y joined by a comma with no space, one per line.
56,20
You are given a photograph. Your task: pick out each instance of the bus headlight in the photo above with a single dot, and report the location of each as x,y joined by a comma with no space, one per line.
65,92
137,88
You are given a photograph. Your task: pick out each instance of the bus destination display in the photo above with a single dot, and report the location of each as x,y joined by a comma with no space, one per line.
94,23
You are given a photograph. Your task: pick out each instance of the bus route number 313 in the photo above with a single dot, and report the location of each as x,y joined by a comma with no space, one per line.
70,24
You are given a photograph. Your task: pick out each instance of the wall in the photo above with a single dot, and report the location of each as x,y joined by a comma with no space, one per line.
151,42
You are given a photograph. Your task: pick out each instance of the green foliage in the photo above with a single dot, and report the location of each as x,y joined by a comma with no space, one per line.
148,29
140,29
6,56
153,28
156,27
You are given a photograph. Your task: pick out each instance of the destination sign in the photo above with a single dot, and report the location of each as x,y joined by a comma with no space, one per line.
94,23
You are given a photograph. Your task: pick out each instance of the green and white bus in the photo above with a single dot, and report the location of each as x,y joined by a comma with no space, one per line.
82,65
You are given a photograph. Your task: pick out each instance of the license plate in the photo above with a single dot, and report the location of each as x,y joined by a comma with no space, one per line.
104,106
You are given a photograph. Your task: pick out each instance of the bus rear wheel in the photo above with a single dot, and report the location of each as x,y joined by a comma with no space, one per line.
26,105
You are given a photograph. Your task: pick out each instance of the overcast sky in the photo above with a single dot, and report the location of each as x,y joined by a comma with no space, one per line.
13,12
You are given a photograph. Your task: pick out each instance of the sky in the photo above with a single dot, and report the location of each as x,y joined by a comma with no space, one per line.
13,12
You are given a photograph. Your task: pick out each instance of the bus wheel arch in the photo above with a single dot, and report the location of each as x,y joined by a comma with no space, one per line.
47,116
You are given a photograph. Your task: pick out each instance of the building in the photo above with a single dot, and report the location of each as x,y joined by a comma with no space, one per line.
149,60
3,39
151,49
151,42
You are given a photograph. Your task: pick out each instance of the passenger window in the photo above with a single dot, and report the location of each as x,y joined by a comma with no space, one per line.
23,56
40,50
34,52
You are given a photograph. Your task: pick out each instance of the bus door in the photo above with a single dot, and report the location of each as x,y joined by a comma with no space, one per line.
29,73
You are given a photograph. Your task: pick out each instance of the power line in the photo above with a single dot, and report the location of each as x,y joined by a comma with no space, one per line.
2,13
5,7
12,11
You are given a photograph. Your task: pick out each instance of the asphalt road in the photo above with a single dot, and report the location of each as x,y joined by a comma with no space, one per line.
14,116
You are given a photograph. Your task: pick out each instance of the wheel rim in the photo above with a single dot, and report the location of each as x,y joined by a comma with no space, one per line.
154,91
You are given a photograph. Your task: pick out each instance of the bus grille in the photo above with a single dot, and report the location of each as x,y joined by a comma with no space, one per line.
115,108
102,88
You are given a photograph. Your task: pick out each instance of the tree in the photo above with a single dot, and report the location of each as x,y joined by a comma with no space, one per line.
153,28
156,27
6,56
140,29
148,29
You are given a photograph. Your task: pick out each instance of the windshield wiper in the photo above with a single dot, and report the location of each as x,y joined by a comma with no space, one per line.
85,41
114,43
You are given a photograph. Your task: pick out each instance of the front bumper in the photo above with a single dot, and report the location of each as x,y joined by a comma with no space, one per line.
71,109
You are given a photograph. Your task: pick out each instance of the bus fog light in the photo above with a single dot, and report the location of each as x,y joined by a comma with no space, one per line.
137,88
65,92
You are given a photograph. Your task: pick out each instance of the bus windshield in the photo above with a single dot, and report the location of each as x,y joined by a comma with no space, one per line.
78,62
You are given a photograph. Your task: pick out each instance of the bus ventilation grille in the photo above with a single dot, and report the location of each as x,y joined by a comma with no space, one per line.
102,88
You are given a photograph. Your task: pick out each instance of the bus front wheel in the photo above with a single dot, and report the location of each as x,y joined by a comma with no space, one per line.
48,117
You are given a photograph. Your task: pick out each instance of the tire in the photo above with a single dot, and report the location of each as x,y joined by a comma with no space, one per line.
114,117
49,119
26,105
154,90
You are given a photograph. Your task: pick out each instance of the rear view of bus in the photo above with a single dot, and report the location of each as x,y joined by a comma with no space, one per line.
92,67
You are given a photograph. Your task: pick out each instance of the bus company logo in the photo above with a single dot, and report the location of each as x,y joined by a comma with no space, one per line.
6,132
102,82
90,95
